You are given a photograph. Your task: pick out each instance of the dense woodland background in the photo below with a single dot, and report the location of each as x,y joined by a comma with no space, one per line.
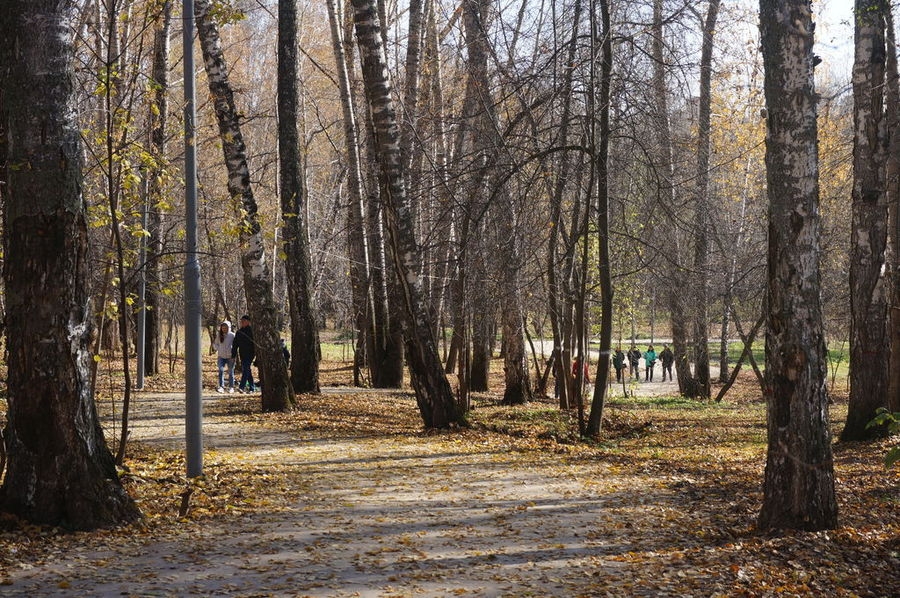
538,71
442,183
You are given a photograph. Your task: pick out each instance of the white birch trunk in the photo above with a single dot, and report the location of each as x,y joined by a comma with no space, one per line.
277,394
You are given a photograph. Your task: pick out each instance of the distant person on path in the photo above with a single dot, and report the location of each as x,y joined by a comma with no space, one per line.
649,363
667,358
634,357
222,345
244,348
586,381
557,378
618,363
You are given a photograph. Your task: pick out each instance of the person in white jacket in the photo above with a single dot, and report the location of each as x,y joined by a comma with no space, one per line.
222,346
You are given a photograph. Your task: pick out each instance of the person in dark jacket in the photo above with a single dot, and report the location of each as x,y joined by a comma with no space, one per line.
618,361
244,347
667,358
634,357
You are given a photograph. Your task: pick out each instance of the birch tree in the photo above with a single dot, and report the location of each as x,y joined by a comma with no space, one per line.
869,292
799,477
277,393
357,238
60,471
433,393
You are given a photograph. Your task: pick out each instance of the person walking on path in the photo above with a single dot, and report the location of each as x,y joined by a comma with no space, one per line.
667,358
634,357
649,363
222,345
244,348
618,361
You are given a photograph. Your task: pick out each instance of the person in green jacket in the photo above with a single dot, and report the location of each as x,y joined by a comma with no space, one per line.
618,363
649,362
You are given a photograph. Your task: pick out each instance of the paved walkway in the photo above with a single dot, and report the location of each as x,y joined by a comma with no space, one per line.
379,516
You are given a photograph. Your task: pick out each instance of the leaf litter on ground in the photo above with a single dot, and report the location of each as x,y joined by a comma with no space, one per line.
347,496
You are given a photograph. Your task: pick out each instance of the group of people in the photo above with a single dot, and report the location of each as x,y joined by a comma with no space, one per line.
238,347
229,347
650,357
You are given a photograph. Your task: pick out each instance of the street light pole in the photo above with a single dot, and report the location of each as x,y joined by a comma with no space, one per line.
192,306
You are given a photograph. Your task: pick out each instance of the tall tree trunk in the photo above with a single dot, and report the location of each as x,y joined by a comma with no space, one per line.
486,188
357,237
60,471
384,341
482,335
676,284
869,342
386,354
474,136
411,91
433,393
446,235
892,191
701,242
601,166
305,351
277,394
799,478
559,319
157,121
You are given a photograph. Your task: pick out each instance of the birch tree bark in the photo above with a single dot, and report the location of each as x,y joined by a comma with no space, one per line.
384,341
305,351
60,471
433,393
277,394
869,342
799,477
357,237
892,192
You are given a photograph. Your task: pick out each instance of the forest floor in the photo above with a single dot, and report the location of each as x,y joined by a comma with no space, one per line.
348,497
